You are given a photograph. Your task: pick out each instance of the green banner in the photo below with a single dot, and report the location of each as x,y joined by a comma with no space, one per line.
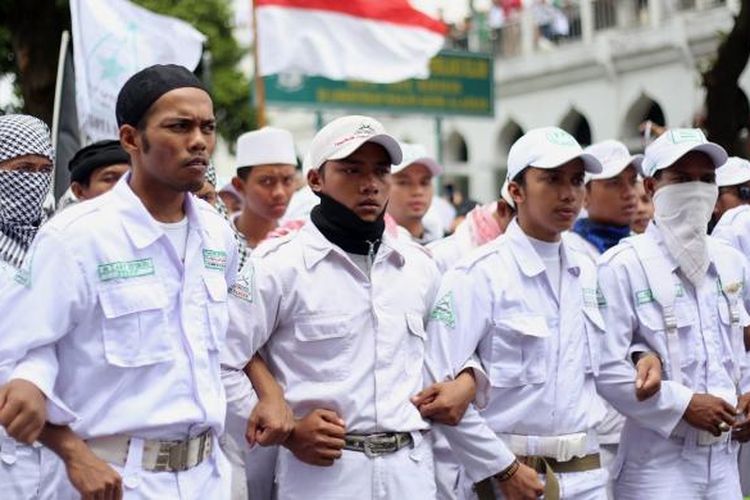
460,83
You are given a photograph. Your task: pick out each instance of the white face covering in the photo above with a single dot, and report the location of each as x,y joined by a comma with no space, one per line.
682,212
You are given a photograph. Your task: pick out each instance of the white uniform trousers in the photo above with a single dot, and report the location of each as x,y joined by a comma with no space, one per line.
29,472
405,474
654,468
211,479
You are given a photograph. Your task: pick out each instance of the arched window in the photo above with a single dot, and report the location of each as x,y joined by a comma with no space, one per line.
578,126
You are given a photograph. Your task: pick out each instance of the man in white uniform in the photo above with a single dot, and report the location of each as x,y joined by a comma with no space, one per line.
527,305
611,206
733,180
139,315
340,306
733,214
412,194
682,294
26,158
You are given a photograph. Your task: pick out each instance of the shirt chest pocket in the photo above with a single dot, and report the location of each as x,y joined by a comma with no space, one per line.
653,328
217,312
595,330
323,347
135,330
519,350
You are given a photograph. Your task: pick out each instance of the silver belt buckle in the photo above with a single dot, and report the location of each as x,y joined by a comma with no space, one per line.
375,446
172,457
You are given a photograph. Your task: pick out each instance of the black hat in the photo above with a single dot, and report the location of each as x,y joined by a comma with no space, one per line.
97,155
149,84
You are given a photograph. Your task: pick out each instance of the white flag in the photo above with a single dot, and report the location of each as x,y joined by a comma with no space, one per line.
114,39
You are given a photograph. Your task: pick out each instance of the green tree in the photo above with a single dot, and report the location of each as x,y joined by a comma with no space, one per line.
727,110
30,32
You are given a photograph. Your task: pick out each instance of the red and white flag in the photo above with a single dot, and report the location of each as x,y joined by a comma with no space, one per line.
379,41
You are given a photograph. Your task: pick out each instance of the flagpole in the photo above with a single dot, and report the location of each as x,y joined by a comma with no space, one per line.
260,84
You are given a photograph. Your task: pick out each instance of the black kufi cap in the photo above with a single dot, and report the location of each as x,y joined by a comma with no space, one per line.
145,87
97,155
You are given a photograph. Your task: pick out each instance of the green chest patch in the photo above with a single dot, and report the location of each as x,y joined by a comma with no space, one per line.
215,260
124,270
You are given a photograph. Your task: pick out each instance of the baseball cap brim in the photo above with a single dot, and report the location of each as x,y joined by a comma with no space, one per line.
389,143
591,164
716,153
617,169
433,166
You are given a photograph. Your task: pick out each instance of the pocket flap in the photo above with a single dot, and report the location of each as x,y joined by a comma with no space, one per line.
321,327
595,317
120,300
652,317
415,323
216,286
532,325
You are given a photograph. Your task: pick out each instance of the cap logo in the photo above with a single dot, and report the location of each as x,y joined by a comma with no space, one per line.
561,138
686,135
364,130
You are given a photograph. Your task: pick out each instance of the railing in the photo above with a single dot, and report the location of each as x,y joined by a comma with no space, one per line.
543,25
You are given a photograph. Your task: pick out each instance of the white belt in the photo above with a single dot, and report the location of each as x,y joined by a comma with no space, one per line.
561,448
158,456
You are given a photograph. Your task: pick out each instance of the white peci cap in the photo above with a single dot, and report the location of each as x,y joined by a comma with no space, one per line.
416,153
735,171
343,136
614,157
267,146
547,147
676,143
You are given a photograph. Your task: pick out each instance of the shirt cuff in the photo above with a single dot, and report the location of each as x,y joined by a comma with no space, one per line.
38,368
482,380
678,397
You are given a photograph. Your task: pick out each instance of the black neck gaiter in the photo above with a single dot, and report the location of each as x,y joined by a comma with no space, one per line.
344,228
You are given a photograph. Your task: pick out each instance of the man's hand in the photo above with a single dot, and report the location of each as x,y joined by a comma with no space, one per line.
22,410
648,376
741,430
93,478
318,438
446,402
709,413
270,422
523,485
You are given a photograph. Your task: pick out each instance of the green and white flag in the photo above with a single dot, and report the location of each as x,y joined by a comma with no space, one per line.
114,39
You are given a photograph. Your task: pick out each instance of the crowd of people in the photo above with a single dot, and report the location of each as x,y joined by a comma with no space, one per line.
581,337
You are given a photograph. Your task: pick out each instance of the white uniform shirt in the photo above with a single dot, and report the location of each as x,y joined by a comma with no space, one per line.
582,244
136,331
734,228
336,339
635,322
541,354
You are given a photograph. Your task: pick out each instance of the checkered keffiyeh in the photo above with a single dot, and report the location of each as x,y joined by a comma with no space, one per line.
22,135
21,193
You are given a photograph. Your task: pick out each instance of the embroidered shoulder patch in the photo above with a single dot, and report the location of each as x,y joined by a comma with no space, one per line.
125,270
443,311
644,296
244,284
215,260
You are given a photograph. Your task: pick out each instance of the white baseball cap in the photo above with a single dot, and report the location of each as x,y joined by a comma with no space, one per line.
416,153
676,143
735,171
614,157
266,146
343,136
547,147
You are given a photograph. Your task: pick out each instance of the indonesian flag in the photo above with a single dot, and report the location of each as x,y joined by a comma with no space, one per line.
379,41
